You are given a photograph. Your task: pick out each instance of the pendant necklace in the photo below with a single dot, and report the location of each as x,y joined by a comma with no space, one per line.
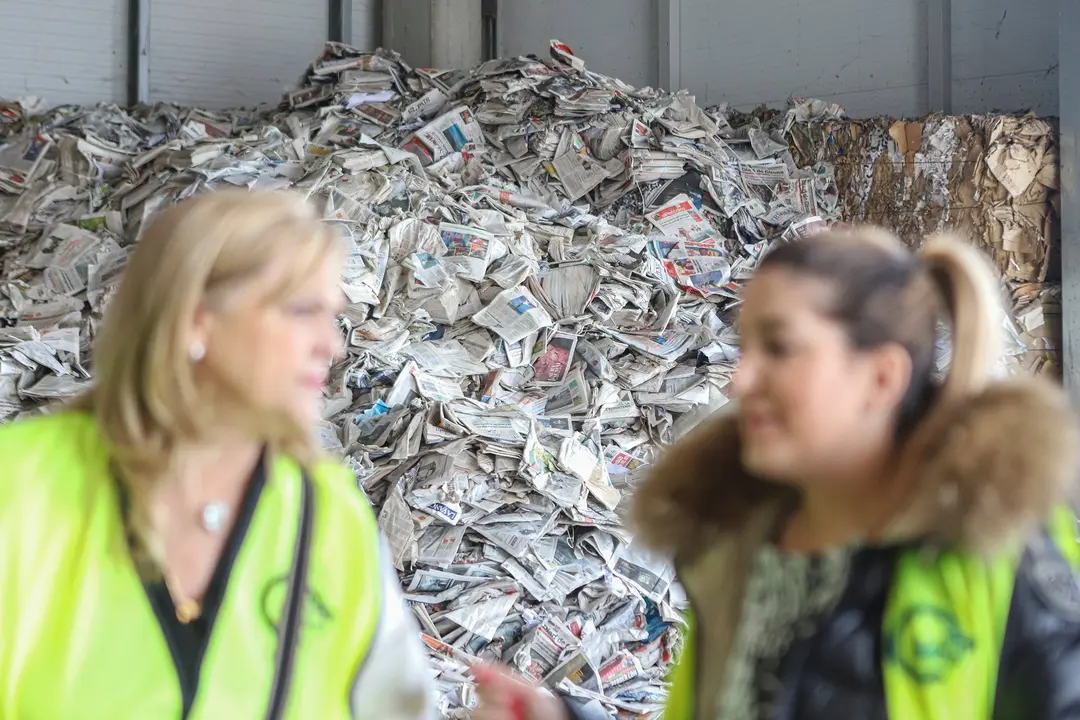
213,517
187,609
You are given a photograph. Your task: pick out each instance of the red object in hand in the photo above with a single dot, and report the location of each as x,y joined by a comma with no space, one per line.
517,697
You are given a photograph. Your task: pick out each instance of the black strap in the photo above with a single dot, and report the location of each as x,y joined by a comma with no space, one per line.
291,617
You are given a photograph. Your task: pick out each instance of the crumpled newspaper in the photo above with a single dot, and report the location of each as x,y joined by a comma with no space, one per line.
544,264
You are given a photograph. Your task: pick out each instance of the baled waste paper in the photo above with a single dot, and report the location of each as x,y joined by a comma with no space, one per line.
544,265
991,178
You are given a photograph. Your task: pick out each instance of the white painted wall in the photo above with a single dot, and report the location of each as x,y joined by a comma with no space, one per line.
63,51
615,37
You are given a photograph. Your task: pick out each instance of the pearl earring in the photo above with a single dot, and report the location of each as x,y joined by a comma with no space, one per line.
197,351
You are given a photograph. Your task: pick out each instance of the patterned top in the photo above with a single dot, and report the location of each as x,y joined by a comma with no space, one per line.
786,597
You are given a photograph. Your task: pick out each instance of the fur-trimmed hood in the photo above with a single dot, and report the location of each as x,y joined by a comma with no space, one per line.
986,471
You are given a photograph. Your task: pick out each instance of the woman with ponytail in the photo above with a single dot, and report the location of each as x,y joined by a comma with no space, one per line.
861,538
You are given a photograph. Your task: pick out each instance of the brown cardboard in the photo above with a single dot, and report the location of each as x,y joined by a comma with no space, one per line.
958,189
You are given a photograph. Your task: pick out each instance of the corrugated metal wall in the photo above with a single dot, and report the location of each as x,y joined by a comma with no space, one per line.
201,52
869,56
63,50
220,54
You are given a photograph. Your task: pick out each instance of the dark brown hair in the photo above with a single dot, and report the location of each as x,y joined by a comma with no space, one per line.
884,293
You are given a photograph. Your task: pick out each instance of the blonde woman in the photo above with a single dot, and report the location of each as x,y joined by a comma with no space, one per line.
175,547
859,540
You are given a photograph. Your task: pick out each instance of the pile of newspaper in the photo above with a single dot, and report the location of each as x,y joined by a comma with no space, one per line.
544,263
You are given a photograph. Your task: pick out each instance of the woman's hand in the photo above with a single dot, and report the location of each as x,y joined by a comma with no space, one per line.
504,696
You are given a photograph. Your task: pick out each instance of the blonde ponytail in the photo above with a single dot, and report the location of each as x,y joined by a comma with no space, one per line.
972,296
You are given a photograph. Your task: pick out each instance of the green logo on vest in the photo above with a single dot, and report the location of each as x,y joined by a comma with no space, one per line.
927,642
316,613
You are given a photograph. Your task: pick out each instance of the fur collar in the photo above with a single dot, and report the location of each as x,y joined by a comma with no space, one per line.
987,470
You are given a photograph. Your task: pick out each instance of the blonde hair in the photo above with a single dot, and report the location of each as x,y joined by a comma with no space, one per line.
885,293
199,253
969,288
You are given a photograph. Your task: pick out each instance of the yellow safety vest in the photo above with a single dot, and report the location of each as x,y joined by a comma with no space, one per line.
942,632
1065,531
78,637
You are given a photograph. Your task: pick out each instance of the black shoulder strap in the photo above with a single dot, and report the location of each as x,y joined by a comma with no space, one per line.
291,617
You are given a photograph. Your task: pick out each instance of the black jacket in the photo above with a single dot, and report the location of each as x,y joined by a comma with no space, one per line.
837,673
983,472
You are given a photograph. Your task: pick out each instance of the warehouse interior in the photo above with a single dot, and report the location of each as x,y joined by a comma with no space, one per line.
897,60
922,116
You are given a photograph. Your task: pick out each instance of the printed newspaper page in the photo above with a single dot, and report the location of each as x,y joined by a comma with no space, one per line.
553,363
467,250
681,219
513,314
448,133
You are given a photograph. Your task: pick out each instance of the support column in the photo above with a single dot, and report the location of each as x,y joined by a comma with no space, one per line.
138,58
1069,148
435,33
489,29
669,26
341,21
939,43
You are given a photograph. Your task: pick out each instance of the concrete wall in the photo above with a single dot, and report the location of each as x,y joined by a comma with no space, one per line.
366,30
615,37
201,52
1005,55
434,33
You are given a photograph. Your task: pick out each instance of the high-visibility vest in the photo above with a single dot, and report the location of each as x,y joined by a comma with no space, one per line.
942,632
78,637
1065,531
